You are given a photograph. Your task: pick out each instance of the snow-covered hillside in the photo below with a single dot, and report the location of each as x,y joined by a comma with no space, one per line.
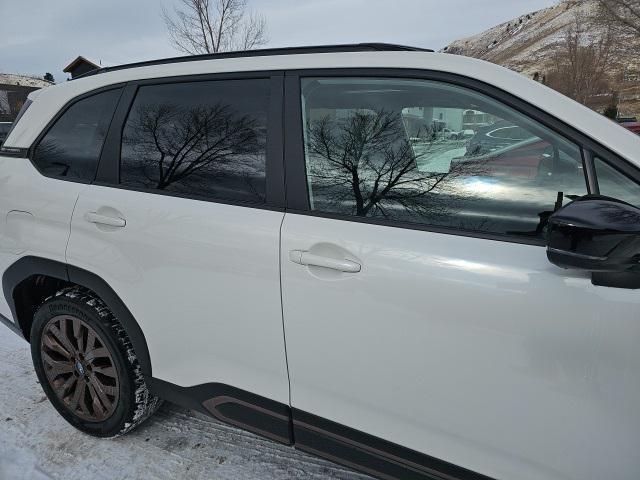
22,80
527,44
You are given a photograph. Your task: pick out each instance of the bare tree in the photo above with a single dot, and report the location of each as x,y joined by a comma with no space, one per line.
211,26
583,62
623,16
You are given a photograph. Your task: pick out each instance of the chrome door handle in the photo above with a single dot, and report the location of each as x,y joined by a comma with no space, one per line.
94,217
310,259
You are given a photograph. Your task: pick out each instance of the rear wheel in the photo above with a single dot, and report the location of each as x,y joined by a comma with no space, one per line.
87,366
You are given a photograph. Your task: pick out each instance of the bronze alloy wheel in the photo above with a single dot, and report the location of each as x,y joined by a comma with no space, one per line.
79,368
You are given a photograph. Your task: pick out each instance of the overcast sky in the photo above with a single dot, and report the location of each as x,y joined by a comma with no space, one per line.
39,36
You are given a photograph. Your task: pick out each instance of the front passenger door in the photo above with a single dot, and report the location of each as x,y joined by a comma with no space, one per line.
418,301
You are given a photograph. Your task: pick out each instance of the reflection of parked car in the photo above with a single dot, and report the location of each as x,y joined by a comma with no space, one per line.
4,130
498,135
525,159
633,126
461,135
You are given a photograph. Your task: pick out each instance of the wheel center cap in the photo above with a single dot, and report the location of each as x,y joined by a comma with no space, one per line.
80,367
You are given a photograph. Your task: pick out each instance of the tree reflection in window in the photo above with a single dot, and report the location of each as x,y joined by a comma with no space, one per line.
364,165
410,151
211,144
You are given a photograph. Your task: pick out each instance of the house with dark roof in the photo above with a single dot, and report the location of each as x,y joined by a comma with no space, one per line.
80,66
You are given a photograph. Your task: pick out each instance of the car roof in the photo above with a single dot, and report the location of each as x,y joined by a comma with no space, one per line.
48,101
356,47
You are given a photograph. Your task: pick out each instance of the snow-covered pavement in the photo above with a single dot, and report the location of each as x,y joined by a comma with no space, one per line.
36,443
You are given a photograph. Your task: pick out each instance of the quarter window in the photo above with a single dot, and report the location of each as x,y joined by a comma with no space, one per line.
613,183
199,139
430,153
71,148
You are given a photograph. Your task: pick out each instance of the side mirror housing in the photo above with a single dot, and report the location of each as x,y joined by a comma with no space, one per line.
600,235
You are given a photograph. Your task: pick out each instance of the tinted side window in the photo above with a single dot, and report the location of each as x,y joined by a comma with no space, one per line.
71,148
613,183
200,139
418,151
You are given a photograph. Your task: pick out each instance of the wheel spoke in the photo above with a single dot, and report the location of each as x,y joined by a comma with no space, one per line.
96,353
106,371
52,343
84,408
100,393
57,366
61,336
91,341
78,333
106,389
98,404
79,393
66,386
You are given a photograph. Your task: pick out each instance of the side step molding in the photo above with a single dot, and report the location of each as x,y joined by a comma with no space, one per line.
228,404
370,454
255,418
309,433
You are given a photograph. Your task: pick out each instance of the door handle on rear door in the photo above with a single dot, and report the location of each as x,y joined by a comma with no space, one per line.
310,259
94,217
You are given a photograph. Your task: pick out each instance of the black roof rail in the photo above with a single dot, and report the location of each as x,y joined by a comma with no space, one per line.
356,47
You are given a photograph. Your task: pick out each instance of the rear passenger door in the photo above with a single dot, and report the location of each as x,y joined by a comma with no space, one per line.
418,301
38,194
183,223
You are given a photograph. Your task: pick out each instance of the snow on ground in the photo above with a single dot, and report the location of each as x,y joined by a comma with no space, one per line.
37,444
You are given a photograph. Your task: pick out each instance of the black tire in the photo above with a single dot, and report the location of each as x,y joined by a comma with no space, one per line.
131,403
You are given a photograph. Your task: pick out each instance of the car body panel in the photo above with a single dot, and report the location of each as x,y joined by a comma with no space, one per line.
477,352
35,214
200,278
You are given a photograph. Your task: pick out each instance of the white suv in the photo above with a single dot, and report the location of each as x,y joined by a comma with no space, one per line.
284,239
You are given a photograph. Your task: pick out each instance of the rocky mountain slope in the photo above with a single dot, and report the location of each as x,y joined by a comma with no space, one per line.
528,44
22,80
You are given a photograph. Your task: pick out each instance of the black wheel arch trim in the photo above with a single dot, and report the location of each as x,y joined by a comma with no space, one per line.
29,266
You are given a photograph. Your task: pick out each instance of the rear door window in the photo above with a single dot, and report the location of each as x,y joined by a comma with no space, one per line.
71,148
204,140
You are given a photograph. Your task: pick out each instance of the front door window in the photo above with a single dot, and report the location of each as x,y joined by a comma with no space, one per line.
430,153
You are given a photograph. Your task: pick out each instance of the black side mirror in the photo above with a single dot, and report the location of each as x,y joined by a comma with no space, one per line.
600,235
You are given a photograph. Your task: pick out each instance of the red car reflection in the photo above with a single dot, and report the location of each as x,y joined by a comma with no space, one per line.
633,126
523,160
